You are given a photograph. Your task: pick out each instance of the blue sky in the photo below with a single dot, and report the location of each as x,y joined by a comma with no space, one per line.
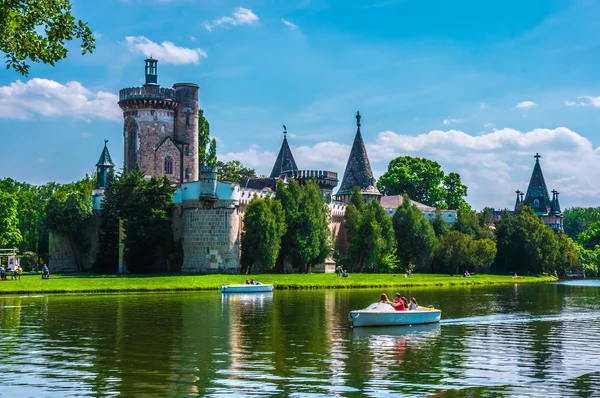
478,86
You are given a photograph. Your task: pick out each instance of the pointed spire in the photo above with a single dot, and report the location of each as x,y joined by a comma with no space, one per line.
537,193
285,163
518,201
555,206
358,169
103,167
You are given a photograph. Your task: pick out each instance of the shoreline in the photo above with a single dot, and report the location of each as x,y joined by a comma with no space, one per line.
89,283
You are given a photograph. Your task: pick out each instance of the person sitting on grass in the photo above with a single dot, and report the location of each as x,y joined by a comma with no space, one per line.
19,271
2,273
344,273
45,272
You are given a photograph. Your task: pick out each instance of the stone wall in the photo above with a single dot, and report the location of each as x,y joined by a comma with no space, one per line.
210,237
61,254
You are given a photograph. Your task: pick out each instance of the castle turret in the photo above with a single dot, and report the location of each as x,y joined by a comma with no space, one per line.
358,171
518,201
161,127
103,168
285,163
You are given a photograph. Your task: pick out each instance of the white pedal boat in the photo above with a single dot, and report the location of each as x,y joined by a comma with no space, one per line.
246,288
378,314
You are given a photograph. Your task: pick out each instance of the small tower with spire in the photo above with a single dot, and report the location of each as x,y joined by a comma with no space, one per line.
358,171
285,163
538,199
104,167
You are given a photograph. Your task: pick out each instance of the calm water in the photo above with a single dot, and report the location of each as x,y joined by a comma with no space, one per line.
536,340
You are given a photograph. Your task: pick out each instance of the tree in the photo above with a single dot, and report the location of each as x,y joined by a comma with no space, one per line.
440,227
264,226
69,213
526,244
424,181
370,236
307,241
211,161
107,256
469,223
10,235
234,171
578,219
203,139
590,237
457,252
36,31
414,234
146,208
455,192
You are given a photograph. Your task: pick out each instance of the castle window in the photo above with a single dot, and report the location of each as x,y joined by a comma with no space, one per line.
536,203
187,173
168,165
187,119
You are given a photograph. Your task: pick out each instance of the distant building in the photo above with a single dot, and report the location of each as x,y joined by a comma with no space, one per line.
538,199
391,203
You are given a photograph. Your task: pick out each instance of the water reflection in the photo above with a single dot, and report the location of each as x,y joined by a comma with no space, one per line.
525,340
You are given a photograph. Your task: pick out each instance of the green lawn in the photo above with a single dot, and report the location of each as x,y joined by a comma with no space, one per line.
81,283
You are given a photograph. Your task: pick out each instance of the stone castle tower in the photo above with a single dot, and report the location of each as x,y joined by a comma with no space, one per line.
161,128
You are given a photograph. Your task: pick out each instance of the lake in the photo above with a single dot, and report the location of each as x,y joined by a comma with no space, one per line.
521,340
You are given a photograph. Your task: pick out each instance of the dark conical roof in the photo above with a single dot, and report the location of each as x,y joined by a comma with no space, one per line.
358,169
555,205
105,159
285,163
518,201
537,193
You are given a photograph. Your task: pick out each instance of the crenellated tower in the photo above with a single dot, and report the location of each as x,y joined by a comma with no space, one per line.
161,127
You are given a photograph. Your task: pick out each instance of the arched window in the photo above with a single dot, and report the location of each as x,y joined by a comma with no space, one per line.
168,165
536,203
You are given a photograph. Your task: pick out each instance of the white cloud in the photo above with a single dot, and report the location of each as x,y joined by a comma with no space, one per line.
526,105
493,164
166,52
288,23
241,16
587,101
489,125
452,121
49,98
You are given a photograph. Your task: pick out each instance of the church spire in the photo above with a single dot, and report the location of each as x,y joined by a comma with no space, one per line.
537,193
358,169
555,206
285,163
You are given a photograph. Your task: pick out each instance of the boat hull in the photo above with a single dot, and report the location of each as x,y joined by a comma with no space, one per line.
246,288
361,318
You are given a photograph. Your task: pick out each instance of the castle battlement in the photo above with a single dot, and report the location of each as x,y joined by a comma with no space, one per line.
323,177
146,92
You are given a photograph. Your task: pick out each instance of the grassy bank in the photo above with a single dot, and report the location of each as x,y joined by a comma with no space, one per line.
84,283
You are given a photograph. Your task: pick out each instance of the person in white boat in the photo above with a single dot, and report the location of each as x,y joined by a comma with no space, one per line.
247,282
383,299
399,303
413,304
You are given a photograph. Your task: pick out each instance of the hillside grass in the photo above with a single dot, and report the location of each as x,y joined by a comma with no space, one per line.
89,283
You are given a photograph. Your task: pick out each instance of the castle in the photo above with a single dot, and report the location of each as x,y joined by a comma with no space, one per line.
160,132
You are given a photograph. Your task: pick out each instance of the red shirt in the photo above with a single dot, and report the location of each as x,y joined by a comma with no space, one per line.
399,305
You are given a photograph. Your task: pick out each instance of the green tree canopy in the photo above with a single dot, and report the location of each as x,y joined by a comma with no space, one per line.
578,219
10,235
107,256
36,31
467,222
146,208
234,171
527,245
440,227
424,181
264,226
370,236
457,252
205,145
414,234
